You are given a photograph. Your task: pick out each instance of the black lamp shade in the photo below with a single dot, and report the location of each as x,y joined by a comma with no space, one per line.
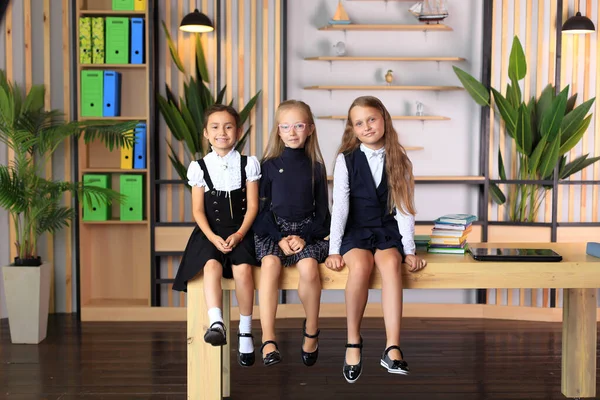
196,22
578,24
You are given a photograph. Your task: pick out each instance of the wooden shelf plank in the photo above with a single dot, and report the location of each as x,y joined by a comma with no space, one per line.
379,58
113,170
114,222
112,118
381,87
386,27
440,178
396,117
94,66
112,12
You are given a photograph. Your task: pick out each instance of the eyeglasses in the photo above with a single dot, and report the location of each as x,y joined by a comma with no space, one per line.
298,127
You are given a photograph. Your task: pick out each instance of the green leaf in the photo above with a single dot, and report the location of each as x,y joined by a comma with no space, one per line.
523,136
573,120
535,158
535,134
501,170
221,95
497,194
477,91
508,113
245,113
577,165
576,136
513,94
571,103
242,142
549,159
517,64
173,50
544,103
553,117
201,67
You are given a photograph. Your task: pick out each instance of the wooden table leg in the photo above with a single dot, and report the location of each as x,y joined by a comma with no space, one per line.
203,360
227,348
579,343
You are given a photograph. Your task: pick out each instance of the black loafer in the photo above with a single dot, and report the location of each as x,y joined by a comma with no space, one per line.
394,366
273,357
216,336
309,359
245,359
352,372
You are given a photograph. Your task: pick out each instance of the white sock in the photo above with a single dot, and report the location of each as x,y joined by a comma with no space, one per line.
246,343
214,315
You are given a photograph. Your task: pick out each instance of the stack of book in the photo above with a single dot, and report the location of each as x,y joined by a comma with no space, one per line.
449,234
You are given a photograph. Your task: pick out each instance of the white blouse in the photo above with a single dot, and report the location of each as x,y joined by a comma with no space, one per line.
224,171
341,202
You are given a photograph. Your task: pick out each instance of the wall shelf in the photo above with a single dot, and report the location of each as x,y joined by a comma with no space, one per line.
396,117
109,13
122,118
112,66
115,222
377,58
385,27
381,87
113,171
441,178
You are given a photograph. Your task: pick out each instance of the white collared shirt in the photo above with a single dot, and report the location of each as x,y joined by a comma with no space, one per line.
341,202
224,172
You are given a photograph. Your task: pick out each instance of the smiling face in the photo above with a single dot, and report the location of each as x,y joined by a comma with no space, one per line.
294,128
368,125
221,131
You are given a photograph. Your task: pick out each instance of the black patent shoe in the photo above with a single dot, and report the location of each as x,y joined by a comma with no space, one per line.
245,359
394,366
309,359
216,335
273,357
352,372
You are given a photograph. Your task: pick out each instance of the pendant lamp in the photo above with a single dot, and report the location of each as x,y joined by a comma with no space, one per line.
196,22
578,24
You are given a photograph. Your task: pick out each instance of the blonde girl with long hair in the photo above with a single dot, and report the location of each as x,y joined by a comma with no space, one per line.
292,224
372,224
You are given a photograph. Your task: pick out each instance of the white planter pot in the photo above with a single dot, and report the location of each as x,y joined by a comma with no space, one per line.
27,291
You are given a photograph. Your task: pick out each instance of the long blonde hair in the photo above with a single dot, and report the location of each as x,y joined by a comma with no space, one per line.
276,146
398,167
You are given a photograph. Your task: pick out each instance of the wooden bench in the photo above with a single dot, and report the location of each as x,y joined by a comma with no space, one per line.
209,376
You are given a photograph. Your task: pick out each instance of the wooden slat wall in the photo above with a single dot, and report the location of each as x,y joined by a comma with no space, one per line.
28,28
245,67
580,56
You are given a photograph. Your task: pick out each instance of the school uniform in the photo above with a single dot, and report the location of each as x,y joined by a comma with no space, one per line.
293,202
360,217
224,181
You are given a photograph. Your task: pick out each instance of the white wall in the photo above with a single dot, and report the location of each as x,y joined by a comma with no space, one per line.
451,147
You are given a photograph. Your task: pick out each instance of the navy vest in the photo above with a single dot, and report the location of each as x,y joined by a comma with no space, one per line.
368,204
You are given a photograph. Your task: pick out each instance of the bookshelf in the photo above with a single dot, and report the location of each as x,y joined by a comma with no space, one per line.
382,58
382,87
115,254
386,27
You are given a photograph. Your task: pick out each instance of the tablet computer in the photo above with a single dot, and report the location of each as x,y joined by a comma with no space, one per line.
519,254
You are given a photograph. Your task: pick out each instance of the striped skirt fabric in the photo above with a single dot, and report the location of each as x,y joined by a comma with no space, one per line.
265,246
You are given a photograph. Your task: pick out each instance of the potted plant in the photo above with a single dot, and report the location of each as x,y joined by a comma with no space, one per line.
33,202
544,130
185,116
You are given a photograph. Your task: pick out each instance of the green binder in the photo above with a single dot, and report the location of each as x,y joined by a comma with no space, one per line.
92,85
125,5
85,40
98,40
117,40
132,187
97,211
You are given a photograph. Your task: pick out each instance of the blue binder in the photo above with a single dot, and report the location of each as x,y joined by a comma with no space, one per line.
137,41
112,94
139,149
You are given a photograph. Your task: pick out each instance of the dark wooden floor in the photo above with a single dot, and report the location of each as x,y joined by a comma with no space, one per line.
450,359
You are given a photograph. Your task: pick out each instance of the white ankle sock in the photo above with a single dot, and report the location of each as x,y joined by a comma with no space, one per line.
214,315
246,344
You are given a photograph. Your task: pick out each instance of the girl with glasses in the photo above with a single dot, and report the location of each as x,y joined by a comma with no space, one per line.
292,224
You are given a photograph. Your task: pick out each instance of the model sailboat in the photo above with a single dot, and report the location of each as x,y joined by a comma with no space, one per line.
340,16
430,10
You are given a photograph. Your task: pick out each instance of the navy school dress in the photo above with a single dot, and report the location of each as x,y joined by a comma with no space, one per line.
370,224
218,206
293,201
